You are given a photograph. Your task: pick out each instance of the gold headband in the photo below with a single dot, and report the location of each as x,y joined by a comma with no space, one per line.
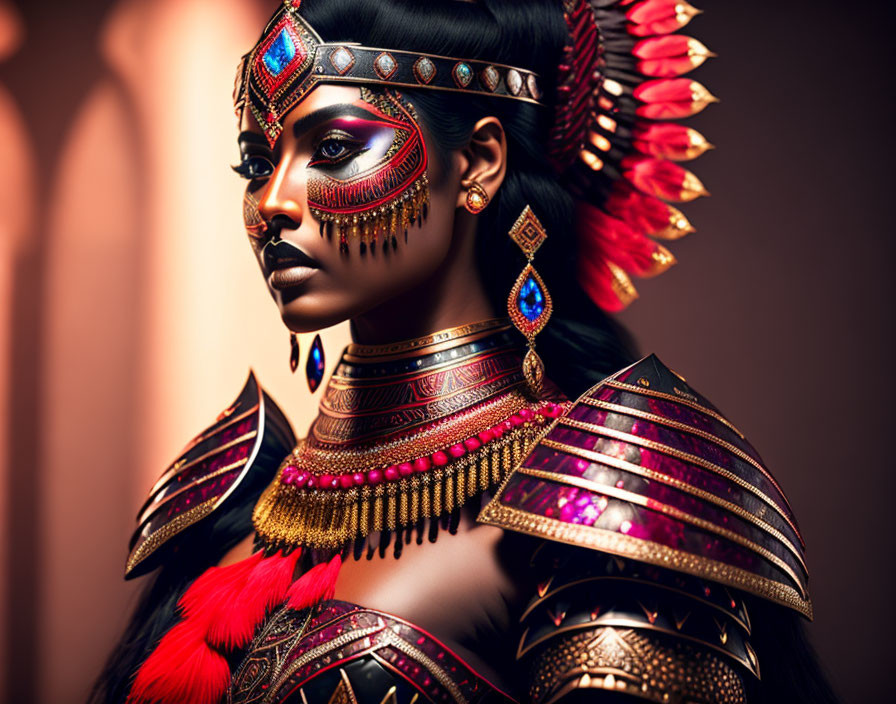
290,59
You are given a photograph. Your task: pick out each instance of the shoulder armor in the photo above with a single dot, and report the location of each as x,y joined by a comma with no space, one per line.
635,629
243,448
644,467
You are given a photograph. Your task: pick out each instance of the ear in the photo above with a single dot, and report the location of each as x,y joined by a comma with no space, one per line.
484,159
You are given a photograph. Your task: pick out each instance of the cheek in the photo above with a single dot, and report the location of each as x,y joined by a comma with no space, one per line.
376,202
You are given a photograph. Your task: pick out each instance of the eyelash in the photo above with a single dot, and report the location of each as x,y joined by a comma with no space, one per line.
247,168
351,148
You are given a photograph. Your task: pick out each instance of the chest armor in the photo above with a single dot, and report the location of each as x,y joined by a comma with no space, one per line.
340,653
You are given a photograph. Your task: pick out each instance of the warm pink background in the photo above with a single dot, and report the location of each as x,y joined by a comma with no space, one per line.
130,307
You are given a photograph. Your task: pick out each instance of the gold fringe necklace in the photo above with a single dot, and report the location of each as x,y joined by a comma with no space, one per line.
351,478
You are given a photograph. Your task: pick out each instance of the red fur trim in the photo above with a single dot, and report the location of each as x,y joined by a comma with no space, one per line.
317,584
182,668
216,588
234,624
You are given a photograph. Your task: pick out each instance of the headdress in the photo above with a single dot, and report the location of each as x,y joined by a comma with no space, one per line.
613,140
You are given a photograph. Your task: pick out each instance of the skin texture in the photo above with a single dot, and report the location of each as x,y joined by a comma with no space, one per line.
388,295
428,283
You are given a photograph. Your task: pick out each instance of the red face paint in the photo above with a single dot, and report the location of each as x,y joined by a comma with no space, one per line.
378,187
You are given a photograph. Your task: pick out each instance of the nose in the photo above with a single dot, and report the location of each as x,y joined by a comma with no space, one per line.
280,204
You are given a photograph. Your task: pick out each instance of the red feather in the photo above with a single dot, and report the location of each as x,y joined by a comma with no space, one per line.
182,668
264,588
669,141
672,98
659,17
669,56
316,585
662,178
641,212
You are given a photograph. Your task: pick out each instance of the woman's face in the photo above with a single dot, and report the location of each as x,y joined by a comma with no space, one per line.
358,161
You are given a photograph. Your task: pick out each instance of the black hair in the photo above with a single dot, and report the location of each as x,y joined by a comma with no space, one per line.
580,345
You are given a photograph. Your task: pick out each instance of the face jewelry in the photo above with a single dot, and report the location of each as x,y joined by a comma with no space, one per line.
254,222
293,352
290,59
316,364
385,197
477,198
529,304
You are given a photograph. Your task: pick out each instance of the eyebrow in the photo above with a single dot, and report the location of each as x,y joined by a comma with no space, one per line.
313,119
252,137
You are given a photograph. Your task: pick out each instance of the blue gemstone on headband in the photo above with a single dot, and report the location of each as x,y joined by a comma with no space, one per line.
463,73
530,301
279,53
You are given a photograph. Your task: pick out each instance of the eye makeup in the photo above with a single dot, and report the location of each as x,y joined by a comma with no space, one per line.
367,178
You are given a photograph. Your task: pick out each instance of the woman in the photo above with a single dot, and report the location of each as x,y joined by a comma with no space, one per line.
425,170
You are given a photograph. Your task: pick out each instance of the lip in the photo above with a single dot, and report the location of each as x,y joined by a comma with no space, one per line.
290,276
286,265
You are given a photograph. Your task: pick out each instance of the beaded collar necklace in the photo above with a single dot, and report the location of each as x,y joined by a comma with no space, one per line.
406,433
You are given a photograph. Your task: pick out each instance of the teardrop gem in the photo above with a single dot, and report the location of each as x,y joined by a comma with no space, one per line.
293,352
530,300
314,367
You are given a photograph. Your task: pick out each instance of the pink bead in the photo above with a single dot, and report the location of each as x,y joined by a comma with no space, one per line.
421,464
507,425
439,459
498,431
457,451
516,421
374,476
345,481
391,473
287,478
486,436
311,483
325,481
406,469
526,414
472,444
358,479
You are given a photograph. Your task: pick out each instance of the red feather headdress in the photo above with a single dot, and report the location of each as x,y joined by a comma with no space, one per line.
621,76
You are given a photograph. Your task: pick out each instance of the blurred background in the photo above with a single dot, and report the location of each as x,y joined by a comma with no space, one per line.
131,308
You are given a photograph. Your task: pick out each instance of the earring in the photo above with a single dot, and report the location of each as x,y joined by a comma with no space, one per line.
293,352
477,198
316,364
529,304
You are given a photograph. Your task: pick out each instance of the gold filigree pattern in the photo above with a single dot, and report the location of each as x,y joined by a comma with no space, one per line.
634,663
168,531
638,549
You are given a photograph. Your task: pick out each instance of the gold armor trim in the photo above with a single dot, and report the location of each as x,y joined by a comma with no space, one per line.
634,663
168,531
622,386
646,551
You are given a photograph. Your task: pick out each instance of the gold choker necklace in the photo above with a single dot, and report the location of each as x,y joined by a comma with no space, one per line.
406,432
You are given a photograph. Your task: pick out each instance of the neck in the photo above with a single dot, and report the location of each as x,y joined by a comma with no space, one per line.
452,296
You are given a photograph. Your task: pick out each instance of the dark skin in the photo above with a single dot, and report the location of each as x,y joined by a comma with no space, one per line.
405,293
428,283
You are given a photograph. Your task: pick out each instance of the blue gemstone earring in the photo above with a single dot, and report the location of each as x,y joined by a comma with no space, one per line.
316,364
529,304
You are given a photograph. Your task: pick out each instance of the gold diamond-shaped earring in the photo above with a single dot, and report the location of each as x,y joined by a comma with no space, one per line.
529,304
